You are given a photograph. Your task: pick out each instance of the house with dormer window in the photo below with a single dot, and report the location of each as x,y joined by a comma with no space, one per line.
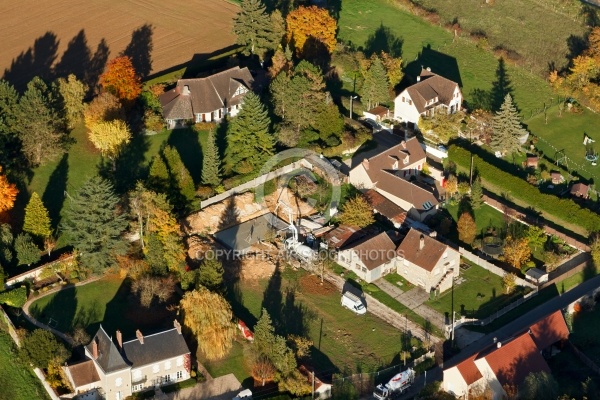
430,95
393,174
114,369
207,99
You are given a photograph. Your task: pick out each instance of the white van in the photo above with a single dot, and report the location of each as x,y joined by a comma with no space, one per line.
353,303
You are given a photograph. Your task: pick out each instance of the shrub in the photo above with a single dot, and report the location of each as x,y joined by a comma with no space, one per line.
427,364
507,177
14,298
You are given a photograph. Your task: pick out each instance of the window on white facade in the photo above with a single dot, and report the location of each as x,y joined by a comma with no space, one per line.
167,378
410,102
179,374
240,90
118,382
364,269
403,99
155,368
167,365
137,388
179,361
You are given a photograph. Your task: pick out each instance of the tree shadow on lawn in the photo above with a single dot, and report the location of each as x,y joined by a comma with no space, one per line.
131,165
54,194
187,144
59,312
440,63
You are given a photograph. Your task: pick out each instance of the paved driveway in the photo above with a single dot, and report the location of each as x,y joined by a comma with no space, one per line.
222,388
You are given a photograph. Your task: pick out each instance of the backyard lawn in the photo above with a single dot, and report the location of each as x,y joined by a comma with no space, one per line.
432,46
17,380
485,217
107,301
478,296
586,325
567,132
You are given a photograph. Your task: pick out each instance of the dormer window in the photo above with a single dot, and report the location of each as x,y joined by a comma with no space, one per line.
405,160
395,166
427,206
240,90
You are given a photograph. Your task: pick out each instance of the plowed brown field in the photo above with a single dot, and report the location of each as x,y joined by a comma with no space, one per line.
180,28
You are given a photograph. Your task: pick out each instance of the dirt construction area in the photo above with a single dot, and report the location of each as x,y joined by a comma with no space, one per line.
37,33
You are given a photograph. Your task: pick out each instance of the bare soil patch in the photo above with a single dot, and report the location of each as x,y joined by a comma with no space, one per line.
37,33
311,284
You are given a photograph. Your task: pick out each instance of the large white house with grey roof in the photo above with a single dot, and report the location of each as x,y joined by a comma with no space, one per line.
115,371
206,99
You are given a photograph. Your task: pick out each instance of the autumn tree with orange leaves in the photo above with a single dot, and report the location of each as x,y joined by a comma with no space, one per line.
8,193
313,22
121,79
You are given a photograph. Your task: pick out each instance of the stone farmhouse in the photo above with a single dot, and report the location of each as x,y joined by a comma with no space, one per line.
115,371
508,363
206,99
393,174
431,94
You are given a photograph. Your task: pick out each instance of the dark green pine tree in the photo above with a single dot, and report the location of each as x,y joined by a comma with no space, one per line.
9,142
375,86
211,163
94,225
507,128
180,177
476,194
249,140
158,179
6,245
27,252
252,26
210,275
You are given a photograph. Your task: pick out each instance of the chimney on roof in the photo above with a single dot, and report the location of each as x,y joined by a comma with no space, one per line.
428,69
139,336
186,90
94,349
433,234
422,242
177,326
403,144
419,78
365,164
119,339
498,345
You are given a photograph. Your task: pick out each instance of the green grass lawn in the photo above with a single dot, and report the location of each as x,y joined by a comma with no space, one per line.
107,301
341,339
517,25
566,132
485,217
479,296
429,45
17,380
586,325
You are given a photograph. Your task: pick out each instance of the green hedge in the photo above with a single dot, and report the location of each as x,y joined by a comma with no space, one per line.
564,209
14,298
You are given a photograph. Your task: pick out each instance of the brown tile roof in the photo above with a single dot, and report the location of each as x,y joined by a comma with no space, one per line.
431,86
342,235
83,373
420,198
549,330
514,360
206,94
428,256
180,107
385,207
375,250
469,370
411,148
380,111
580,189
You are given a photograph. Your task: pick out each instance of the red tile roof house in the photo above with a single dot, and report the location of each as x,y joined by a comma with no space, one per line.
206,99
370,258
389,173
382,206
431,94
426,262
119,370
378,113
507,363
580,190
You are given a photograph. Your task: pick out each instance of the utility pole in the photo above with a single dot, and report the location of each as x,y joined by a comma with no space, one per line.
351,98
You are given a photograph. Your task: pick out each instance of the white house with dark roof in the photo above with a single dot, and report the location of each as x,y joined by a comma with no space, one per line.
206,99
118,370
426,262
431,94
392,173
370,258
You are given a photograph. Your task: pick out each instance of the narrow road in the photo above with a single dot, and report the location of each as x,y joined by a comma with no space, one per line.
390,316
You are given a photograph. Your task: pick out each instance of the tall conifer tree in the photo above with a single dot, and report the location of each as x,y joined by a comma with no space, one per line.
37,220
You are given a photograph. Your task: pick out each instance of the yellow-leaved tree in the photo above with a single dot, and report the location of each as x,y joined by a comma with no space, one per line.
109,137
309,26
208,315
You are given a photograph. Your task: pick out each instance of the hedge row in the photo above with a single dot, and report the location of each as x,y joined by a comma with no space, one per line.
14,298
564,209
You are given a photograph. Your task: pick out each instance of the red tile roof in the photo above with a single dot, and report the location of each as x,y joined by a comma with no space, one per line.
469,370
385,207
83,373
428,256
549,330
580,189
342,235
513,361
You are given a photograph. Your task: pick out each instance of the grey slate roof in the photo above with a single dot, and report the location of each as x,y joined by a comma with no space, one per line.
205,94
242,236
158,347
109,358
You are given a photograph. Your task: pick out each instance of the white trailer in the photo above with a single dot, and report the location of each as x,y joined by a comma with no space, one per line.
398,384
353,303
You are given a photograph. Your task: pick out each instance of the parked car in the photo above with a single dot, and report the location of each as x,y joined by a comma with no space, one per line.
245,394
369,123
